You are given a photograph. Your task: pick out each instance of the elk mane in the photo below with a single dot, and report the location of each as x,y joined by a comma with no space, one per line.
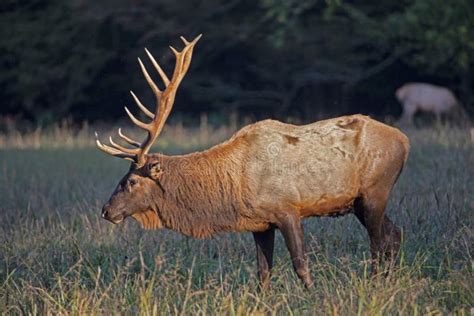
201,196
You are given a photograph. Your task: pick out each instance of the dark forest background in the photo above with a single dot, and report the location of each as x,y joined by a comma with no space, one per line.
265,58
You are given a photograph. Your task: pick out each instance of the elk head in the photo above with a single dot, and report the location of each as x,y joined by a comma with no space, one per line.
136,193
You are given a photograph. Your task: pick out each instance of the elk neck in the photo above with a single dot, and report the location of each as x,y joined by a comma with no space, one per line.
201,196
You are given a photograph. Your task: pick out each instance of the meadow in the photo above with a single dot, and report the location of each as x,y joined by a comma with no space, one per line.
57,256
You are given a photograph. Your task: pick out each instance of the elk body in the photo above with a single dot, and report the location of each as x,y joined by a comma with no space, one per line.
269,175
425,97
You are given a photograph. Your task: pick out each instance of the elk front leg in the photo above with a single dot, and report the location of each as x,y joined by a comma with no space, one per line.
292,231
409,110
264,242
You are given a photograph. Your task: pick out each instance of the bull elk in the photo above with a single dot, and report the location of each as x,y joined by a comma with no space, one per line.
269,175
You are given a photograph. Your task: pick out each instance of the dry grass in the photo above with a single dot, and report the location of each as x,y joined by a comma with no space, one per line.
58,257
64,135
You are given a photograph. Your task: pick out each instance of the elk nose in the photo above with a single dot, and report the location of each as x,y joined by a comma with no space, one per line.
105,211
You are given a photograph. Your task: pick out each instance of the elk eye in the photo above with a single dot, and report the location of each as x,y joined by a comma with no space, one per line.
132,182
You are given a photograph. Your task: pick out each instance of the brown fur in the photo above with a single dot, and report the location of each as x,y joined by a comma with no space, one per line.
271,174
148,219
225,188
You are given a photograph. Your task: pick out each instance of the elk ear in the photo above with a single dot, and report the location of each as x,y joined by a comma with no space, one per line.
154,170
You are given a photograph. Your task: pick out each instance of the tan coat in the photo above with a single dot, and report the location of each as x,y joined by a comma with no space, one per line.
270,168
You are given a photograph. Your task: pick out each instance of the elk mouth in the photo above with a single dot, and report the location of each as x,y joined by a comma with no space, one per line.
116,220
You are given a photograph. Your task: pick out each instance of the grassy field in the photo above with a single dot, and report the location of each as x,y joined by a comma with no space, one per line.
58,256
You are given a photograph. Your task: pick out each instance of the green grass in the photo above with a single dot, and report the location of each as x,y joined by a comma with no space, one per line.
58,256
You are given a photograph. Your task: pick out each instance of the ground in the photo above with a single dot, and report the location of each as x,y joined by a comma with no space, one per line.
58,255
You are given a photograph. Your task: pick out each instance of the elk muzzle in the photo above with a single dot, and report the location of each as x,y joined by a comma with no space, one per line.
110,215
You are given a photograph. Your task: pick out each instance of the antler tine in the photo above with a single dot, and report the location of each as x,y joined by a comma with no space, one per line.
178,69
151,83
142,107
123,149
128,139
136,121
184,40
190,52
160,71
114,152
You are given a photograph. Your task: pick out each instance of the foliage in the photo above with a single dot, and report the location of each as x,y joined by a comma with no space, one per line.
268,57
50,54
436,37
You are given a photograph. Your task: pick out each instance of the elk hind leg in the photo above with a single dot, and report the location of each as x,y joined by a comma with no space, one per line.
391,239
264,242
385,237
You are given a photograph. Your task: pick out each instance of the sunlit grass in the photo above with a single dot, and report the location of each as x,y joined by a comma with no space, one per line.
58,256
65,135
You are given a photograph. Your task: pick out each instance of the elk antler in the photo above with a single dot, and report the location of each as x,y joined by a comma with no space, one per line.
164,104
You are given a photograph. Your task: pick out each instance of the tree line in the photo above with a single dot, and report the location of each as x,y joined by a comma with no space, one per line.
307,59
